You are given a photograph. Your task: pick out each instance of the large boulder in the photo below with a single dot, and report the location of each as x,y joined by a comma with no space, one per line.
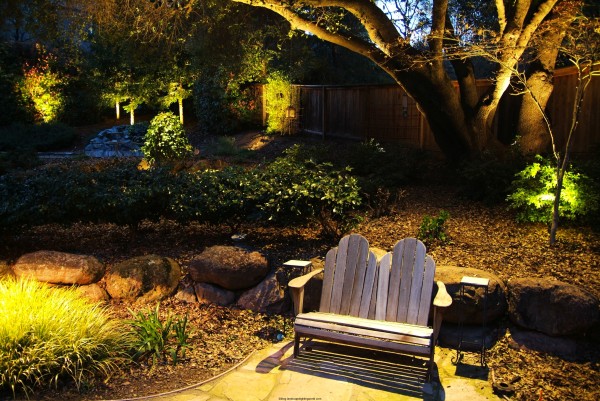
470,308
551,306
267,297
147,278
59,268
208,293
230,267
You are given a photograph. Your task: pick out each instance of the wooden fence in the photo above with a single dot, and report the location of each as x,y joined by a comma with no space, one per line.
386,113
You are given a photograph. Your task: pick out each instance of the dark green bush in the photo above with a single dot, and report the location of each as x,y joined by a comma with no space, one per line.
299,191
217,196
42,137
489,179
117,192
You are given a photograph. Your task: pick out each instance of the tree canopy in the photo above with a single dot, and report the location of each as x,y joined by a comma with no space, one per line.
416,42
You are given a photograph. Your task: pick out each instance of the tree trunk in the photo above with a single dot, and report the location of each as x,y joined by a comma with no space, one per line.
532,128
132,116
180,101
118,109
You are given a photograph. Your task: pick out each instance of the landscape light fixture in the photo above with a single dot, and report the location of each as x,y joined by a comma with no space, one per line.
290,112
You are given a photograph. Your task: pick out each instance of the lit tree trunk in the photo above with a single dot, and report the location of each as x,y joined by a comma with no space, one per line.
180,101
132,116
534,136
118,109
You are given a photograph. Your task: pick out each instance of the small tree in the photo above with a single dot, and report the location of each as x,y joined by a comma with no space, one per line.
582,48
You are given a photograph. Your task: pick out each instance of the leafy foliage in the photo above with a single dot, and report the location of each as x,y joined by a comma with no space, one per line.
489,179
49,334
118,192
42,85
432,229
303,190
166,140
534,188
279,94
155,337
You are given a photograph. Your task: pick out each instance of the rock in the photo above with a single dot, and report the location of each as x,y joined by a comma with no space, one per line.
5,270
552,307
59,268
563,347
267,297
115,142
229,267
472,335
93,292
186,293
148,278
212,294
471,308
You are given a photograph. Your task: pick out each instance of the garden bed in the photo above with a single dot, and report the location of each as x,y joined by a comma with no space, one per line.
481,237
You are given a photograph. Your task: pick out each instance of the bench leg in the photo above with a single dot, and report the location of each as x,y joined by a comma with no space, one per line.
296,344
430,364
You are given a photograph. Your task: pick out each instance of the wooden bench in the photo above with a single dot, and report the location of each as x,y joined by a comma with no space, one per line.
381,305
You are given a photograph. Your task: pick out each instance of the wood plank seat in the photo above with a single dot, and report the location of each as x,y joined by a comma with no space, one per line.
382,305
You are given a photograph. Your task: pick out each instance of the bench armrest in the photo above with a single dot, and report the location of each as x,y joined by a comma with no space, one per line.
442,298
442,301
296,287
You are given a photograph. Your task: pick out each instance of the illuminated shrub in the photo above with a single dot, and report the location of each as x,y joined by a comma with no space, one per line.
280,95
43,88
166,140
534,188
49,335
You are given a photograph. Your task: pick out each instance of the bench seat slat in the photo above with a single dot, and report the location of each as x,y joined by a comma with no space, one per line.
352,339
300,327
378,325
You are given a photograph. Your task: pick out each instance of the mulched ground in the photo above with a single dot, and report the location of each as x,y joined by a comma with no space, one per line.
481,237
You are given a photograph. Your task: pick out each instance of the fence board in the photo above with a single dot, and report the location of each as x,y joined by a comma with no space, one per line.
386,113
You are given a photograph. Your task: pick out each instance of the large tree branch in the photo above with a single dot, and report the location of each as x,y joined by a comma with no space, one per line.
379,27
379,51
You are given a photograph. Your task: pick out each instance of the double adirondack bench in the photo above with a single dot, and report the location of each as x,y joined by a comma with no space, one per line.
381,304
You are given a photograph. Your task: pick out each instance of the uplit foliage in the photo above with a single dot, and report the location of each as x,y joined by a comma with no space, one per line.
48,335
42,86
280,95
534,190
166,140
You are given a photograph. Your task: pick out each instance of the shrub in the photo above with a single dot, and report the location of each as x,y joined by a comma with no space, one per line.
48,335
533,193
156,338
432,230
489,179
306,191
217,196
166,140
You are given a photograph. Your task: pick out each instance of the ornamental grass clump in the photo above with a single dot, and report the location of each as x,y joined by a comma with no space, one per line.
50,336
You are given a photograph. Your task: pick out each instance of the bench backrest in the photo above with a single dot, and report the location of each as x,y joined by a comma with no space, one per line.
398,288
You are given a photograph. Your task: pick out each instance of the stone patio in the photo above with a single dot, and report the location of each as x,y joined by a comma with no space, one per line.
329,372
